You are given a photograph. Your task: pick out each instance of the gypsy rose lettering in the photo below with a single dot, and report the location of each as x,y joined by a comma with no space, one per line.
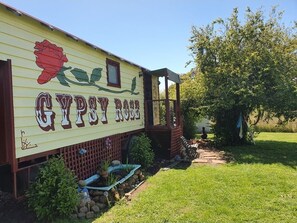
65,101
134,110
45,116
137,113
132,115
126,110
81,109
118,107
103,104
93,117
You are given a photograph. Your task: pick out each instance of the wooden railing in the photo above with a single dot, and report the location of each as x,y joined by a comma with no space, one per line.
162,113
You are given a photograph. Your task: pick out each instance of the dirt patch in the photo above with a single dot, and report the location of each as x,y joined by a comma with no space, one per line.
13,211
133,194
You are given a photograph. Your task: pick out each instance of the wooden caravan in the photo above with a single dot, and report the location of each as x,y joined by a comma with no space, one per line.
62,95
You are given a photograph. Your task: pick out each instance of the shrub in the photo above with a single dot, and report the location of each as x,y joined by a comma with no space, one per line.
54,193
141,151
189,125
190,119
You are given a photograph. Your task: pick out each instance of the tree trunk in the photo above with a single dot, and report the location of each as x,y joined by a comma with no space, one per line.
226,128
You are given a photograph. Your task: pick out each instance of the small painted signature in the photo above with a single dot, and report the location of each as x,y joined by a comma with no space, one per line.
25,144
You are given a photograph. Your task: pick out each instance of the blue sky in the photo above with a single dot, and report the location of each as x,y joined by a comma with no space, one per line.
151,33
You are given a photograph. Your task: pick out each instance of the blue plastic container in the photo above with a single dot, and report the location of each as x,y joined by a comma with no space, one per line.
110,170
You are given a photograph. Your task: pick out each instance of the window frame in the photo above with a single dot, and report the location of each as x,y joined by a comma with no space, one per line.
118,73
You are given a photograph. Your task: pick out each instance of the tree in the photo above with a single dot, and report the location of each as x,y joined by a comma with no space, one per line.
188,95
244,69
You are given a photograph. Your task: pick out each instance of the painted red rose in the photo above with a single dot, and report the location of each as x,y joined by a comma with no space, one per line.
50,58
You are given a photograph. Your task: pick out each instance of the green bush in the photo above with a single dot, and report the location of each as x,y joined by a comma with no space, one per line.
54,193
190,119
189,125
141,151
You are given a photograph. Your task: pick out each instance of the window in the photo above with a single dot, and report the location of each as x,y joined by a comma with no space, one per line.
113,73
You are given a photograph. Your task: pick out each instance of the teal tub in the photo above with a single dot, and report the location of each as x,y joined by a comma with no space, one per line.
111,169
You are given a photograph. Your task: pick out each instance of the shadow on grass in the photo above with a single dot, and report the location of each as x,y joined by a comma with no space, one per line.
183,165
152,170
69,220
266,152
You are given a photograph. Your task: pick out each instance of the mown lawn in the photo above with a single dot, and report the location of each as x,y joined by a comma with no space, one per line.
260,186
270,148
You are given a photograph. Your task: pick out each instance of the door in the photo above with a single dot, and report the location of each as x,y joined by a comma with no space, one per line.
6,117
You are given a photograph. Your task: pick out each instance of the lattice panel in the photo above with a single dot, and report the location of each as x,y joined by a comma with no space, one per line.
176,133
85,165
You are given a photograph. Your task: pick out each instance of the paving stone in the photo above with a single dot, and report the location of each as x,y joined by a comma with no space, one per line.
218,161
211,157
200,161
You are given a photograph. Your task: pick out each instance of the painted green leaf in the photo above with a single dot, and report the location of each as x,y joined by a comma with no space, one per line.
61,76
133,85
80,75
96,75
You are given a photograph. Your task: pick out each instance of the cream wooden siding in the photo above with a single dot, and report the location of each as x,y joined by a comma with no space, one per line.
18,35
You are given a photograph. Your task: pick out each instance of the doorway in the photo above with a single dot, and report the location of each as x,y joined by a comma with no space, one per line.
6,127
3,149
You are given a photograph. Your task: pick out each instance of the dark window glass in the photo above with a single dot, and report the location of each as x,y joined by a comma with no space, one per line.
113,73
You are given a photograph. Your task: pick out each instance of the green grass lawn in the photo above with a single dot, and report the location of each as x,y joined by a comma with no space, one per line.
270,148
260,186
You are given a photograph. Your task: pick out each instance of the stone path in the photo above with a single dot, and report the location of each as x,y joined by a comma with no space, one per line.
210,156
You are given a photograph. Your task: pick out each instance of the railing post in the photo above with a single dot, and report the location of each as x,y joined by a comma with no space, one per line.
167,103
178,113
146,113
